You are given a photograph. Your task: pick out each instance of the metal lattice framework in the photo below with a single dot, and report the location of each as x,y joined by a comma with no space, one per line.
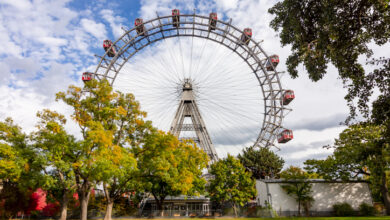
195,25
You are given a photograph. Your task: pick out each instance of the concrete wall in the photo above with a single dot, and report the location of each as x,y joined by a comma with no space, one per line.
325,195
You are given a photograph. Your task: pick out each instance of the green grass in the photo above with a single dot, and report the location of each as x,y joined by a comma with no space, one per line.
281,218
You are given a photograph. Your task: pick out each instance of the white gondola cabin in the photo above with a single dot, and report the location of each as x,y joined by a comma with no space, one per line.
288,96
87,76
213,18
274,60
176,17
246,36
107,47
139,26
285,136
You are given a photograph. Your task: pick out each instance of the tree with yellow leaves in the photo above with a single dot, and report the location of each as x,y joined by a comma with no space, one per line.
170,167
112,125
55,152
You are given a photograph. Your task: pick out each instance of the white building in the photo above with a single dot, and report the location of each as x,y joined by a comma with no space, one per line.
325,194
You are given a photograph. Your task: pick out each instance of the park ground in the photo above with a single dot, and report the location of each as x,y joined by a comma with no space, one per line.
282,218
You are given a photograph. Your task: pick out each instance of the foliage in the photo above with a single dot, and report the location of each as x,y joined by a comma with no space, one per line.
360,151
352,155
366,209
298,186
55,152
16,169
262,162
338,32
170,167
111,124
343,209
14,151
231,183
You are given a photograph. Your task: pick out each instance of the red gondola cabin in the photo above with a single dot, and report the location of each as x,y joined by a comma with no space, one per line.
285,136
274,60
213,21
87,76
246,36
107,47
139,26
288,96
176,17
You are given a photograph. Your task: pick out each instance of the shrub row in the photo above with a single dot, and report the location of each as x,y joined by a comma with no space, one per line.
345,209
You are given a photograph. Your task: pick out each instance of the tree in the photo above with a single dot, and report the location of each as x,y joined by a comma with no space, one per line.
338,32
170,167
56,151
262,162
360,150
231,183
297,185
110,123
16,168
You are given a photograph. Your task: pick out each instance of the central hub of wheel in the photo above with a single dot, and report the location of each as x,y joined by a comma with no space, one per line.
187,86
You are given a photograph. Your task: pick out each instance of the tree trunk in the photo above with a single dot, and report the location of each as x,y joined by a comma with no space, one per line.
64,205
385,193
84,199
110,203
299,207
108,214
159,204
235,210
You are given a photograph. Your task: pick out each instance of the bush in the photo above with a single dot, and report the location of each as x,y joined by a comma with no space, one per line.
343,209
366,209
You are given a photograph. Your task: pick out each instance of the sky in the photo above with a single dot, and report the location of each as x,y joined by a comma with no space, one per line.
47,44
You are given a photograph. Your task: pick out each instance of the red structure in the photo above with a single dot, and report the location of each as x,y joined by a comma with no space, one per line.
108,47
213,21
246,36
288,96
285,136
176,17
274,60
139,25
87,76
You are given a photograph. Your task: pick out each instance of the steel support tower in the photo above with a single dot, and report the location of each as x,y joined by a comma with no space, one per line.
189,109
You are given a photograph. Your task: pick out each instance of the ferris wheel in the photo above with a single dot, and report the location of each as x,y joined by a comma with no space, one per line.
200,78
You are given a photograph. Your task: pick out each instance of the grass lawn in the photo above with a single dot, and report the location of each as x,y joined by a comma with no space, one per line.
281,218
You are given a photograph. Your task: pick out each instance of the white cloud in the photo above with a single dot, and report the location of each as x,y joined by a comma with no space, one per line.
114,21
227,4
98,30
43,49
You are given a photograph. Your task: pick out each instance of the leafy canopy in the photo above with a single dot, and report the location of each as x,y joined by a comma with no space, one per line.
338,32
170,167
231,183
261,162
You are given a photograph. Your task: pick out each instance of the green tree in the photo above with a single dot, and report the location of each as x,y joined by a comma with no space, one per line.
16,168
298,186
56,151
262,162
338,32
360,150
170,167
109,122
231,183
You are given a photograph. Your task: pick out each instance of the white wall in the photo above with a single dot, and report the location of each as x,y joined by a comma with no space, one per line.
325,194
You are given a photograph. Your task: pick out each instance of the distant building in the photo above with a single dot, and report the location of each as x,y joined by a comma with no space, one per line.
179,206
325,194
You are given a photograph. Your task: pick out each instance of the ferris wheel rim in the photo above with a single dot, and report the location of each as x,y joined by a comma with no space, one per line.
274,110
